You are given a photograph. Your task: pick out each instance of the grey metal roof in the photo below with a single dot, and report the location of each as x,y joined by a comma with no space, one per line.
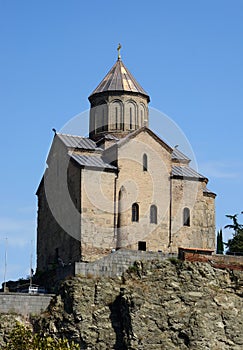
119,79
77,142
91,161
186,171
206,190
178,155
111,137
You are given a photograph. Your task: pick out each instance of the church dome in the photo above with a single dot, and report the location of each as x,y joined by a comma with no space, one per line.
119,105
119,79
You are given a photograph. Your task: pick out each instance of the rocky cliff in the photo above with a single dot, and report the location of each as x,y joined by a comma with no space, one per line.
157,305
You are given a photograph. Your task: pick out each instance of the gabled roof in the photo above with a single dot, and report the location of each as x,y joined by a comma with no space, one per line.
185,172
133,134
78,142
94,161
119,79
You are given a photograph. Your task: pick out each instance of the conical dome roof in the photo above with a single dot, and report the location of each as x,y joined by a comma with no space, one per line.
119,79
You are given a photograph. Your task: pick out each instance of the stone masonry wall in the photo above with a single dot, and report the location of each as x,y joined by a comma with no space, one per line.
146,188
24,304
201,232
115,264
97,218
58,231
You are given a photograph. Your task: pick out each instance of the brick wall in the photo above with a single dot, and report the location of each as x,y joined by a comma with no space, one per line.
218,261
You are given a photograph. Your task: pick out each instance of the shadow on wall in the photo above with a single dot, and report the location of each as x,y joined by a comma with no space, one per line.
121,321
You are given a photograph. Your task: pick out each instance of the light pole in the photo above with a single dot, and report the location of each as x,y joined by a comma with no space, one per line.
31,270
5,266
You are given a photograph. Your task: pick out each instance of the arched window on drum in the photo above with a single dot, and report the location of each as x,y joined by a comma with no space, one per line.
116,118
141,115
131,115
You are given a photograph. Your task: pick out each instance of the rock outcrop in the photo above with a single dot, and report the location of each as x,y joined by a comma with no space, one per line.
169,305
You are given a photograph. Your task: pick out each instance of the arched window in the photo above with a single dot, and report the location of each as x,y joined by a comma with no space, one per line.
99,117
131,118
135,212
103,126
116,116
130,115
186,217
145,162
142,114
153,214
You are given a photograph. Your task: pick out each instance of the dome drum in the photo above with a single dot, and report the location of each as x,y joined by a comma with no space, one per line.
117,114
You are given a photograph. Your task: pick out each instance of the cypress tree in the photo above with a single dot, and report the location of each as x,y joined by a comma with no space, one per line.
220,244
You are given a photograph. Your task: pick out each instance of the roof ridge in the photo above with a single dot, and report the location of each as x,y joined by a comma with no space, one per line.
136,132
81,137
133,80
117,73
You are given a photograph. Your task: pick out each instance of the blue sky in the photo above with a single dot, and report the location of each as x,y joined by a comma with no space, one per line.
188,55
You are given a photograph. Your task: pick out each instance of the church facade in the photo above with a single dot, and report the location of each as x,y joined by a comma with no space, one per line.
121,187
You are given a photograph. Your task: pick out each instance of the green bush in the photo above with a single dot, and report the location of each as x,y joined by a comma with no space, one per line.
22,338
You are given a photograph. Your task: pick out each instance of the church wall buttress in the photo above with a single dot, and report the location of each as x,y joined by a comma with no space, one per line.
200,233
97,214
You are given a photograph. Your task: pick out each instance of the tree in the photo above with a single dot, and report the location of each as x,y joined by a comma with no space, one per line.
22,338
220,244
235,244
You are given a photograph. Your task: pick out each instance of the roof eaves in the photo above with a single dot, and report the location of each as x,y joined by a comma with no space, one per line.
208,193
90,162
186,173
74,142
189,178
180,161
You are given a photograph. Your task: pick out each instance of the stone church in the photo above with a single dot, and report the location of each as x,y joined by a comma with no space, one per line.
121,187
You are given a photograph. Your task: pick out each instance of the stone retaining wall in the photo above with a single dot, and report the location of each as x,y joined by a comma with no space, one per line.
24,304
116,263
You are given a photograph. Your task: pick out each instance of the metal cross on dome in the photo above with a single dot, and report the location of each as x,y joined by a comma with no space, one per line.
119,49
